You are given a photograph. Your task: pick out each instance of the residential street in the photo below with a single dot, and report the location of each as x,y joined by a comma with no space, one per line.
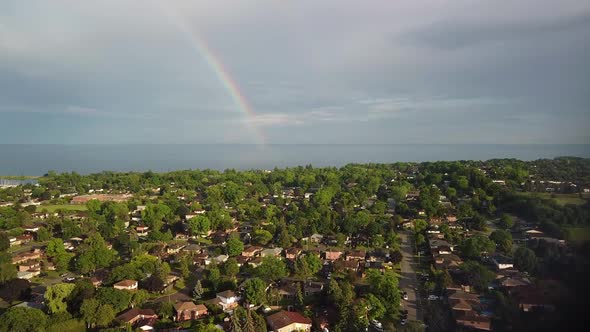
408,281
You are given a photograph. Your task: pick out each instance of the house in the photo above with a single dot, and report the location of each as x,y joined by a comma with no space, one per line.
21,258
242,260
142,230
251,251
189,311
192,249
357,255
333,255
96,281
175,248
126,284
502,262
25,238
29,265
14,242
292,253
28,274
271,252
138,317
201,259
443,250
351,265
228,300
314,238
473,320
220,259
288,321
534,297
255,262
312,287
449,262
533,233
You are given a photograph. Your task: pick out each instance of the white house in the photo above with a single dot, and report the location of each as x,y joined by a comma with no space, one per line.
228,300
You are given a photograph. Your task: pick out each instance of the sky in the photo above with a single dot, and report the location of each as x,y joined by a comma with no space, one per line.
308,71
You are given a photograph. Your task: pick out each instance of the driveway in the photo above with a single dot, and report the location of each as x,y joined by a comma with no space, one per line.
408,281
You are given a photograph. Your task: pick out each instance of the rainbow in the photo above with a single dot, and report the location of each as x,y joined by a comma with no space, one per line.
215,63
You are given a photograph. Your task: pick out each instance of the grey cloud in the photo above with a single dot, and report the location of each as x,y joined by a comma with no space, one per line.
453,34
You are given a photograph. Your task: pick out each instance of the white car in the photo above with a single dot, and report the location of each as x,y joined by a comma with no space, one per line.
432,297
405,296
377,324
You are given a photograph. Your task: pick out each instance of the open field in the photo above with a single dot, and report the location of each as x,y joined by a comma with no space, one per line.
578,234
65,207
563,199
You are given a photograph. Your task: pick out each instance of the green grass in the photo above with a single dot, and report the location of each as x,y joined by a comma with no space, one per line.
578,234
563,199
65,207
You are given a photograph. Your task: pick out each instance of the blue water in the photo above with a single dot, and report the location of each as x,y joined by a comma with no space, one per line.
38,159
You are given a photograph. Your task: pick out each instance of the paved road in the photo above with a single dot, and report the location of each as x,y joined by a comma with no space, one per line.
408,281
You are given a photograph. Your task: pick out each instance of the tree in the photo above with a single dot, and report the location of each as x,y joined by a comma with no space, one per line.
474,246
166,310
43,234
214,276
58,254
313,262
385,287
94,254
503,240
478,275
506,221
89,311
15,289
255,291
271,268
139,297
83,289
4,241
525,259
259,322
234,246
198,290
153,283
375,307
105,315
396,257
231,268
199,224
55,297
262,237
22,319
7,270
118,299
155,215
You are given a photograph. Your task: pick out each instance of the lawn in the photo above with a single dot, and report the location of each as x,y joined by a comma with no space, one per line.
65,207
563,199
578,234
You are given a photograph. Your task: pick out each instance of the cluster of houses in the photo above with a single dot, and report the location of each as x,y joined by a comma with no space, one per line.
471,310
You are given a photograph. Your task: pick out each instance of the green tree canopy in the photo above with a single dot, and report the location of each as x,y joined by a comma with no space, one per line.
525,259
21,319
56,295
503,240
255,291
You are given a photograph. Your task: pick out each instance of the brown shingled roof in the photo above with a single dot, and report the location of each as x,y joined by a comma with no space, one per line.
285,318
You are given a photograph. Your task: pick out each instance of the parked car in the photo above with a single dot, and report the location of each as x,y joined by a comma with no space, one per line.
376,324
432,297
405,296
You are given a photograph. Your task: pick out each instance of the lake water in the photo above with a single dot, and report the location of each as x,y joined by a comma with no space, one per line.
16,159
